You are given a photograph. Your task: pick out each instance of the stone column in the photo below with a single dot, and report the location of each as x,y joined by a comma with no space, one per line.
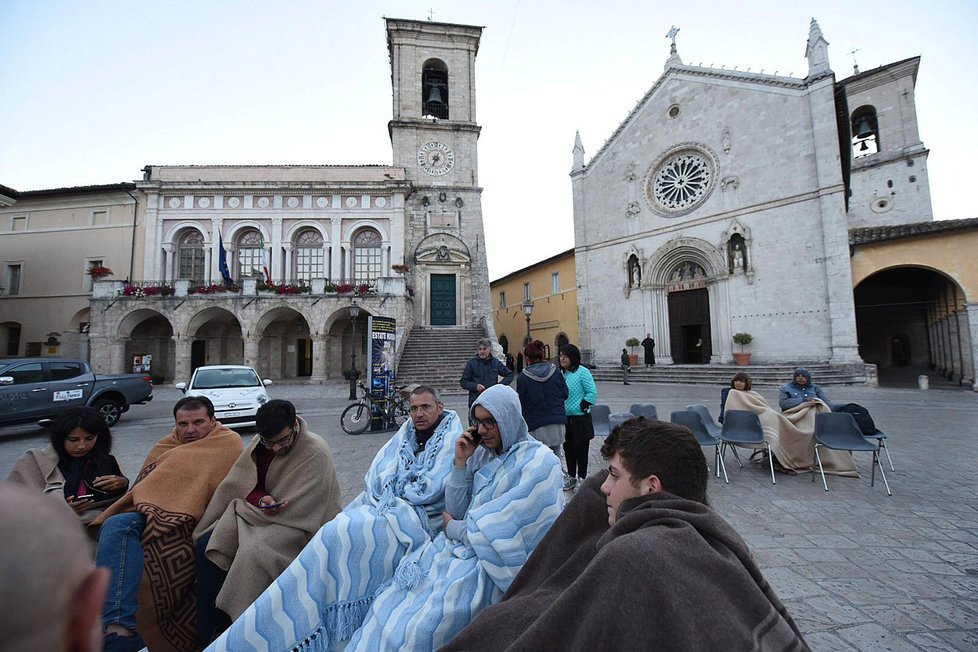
320,356
181,358
276,262
168,251
287,248
335,250
118,356
251,352
660,328
972,314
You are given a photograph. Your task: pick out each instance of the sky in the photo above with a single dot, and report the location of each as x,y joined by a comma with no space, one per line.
93,91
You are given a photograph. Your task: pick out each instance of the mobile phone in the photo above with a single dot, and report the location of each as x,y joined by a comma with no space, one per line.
273,505
85,497
474,433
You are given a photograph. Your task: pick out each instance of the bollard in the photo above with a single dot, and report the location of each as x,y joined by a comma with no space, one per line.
923,382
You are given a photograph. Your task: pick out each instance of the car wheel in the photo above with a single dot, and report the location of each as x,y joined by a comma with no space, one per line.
110,410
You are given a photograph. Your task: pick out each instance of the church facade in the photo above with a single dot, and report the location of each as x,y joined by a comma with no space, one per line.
723,204
261,264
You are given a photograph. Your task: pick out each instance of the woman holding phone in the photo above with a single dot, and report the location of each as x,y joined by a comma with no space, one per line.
78,464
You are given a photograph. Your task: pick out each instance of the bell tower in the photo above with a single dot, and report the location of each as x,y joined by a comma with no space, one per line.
434,137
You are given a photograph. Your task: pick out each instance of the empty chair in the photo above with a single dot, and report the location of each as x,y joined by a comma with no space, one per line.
708,422
617,419
693,421
743,428
647,411
600,418
839,431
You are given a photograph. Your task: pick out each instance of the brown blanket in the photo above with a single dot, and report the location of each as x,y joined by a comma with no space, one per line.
172,491
38,468
670,575
792,434
253,546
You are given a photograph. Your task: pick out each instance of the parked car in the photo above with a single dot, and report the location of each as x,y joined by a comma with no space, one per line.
236,391
39,389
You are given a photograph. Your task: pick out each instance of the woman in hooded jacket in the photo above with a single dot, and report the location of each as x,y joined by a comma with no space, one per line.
542,393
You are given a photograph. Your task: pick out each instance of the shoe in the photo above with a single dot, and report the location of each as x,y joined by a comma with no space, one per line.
570,484
116,643
626,383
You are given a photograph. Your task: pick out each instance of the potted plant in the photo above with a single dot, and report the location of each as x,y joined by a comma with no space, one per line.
743,339
99,271
631,343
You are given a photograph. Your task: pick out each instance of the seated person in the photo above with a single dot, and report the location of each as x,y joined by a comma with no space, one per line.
252,530
150,528
325,593
639,561
792,434
801,390
50,591
78,466
740,382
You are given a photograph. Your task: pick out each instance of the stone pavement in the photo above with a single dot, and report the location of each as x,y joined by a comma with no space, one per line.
858,570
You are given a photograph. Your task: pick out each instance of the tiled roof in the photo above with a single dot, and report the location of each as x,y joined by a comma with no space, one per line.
870,234
109,187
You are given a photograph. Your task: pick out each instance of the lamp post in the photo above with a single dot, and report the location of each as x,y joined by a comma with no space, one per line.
528,309
354,373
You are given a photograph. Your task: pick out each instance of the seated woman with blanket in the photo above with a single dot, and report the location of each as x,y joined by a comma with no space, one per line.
791,434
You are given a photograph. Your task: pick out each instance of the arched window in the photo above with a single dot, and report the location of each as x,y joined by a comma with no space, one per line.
865,132
434,89
250,261
309,255
366,256
190,255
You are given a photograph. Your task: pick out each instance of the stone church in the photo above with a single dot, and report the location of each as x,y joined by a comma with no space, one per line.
724,203
304,243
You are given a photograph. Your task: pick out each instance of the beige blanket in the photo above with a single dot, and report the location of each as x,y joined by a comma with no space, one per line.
792,434
253,546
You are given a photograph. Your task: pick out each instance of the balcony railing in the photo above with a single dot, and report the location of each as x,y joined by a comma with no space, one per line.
387,286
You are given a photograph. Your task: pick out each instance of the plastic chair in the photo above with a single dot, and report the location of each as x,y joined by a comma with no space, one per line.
647,411
693,421
743,428
617,419
880,438
708,422
839,431
600,418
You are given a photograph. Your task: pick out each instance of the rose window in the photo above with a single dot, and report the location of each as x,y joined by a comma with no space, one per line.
680,182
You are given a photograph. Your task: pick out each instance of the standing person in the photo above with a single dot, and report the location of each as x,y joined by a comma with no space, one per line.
582,393
542,391
282,489
147,535
626,367
649,345
78,465
801,390
740,382
483,371
50,591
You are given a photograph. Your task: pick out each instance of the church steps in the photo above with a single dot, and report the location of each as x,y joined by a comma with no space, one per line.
720,374
437,357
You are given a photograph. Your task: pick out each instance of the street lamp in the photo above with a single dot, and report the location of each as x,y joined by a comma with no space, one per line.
354,373
528,309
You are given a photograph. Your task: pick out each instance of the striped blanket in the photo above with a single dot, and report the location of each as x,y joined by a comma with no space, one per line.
325,593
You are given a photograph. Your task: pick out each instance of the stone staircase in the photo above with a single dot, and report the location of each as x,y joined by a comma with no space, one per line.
437,357
720,374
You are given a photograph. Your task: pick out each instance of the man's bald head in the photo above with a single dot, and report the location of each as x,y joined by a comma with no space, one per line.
50,592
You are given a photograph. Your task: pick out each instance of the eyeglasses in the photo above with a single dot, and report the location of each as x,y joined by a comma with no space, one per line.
282,441
488,422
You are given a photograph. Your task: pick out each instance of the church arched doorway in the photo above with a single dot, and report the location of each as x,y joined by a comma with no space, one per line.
689,315
912,320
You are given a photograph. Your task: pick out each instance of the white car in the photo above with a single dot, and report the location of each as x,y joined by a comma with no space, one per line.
236,391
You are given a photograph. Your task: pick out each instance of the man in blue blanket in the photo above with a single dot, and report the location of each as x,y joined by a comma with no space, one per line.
378,579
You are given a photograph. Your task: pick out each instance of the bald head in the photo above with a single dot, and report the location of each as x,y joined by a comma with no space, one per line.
50,592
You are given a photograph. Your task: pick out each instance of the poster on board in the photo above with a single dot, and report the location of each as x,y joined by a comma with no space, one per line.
382,339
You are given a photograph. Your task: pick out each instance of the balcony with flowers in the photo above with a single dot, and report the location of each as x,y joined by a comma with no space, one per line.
252,287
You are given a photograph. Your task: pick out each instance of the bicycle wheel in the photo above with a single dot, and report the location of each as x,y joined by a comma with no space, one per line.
355,418
401,412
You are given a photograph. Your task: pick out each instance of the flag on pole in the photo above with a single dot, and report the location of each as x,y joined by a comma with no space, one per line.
222,262
264,259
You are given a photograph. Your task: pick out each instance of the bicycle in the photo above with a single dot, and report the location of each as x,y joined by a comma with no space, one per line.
392,409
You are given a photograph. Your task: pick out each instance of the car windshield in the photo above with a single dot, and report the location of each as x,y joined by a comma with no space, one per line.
218,378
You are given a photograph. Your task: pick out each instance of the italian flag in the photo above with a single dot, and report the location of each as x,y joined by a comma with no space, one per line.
264,260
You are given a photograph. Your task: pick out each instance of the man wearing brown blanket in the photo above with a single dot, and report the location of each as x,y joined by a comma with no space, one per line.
276,497
145,536
668,574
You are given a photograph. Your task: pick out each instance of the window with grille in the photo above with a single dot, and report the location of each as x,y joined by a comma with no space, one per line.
13,279
190,256
502,299
250,244
366,256
555,283
526,292
310,259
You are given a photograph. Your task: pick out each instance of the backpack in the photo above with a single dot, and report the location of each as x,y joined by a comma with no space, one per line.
862,417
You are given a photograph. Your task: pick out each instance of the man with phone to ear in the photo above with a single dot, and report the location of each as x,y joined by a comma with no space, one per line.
277,495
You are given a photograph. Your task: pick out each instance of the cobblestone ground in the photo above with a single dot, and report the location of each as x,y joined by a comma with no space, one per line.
859,570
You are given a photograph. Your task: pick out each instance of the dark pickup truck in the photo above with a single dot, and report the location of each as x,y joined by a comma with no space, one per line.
39,389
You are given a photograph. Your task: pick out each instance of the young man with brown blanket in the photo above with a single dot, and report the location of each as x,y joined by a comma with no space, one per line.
668,574
252,530
145,537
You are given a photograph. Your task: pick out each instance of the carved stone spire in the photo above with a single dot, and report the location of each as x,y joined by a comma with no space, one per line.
817,51
578,153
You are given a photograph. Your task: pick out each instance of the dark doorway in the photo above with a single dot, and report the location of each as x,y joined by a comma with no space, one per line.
689,326
198,354
303,364
442,299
